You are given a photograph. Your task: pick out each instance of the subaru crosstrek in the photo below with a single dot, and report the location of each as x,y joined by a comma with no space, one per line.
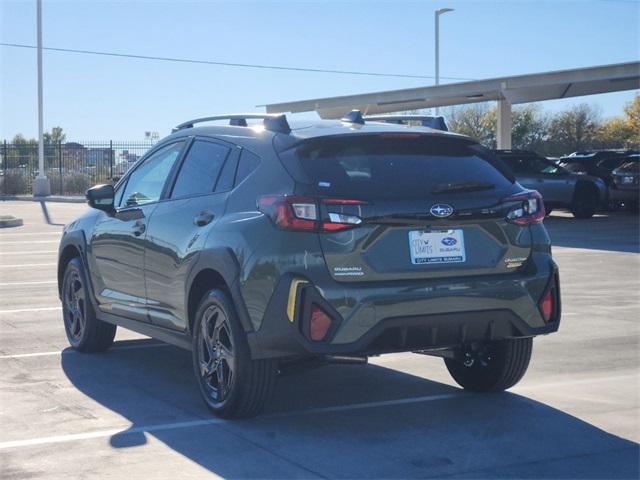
260,247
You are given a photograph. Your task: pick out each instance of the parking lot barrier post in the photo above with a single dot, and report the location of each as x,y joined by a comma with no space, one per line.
4,166
60,167
111,160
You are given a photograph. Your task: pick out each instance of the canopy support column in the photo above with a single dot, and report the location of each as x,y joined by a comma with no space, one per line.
504,125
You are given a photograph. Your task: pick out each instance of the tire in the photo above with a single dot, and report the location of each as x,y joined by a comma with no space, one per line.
84,331
585,205
221,357
504,364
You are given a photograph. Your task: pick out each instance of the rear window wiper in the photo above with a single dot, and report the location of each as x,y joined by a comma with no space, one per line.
462,187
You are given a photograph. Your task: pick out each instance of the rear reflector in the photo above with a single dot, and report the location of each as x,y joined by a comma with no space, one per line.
319,324
547,305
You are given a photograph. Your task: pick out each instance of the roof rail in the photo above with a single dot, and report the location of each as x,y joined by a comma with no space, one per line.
272,122
437,123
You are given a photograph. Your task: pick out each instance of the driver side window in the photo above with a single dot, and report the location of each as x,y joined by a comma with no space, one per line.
146,182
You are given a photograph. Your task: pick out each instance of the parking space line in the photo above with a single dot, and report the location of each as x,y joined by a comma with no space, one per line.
30,242
70,351
29,265
124,430
213,421
13,284
30,252
22,310
3,235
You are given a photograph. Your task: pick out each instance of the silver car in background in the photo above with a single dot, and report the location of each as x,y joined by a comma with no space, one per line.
582,195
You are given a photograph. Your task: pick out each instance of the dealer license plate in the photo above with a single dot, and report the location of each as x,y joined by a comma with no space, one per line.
436,246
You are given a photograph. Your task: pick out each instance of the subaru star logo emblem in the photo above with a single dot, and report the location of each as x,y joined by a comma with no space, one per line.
441,210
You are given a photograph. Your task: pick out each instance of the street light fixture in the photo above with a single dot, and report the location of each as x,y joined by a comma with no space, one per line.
437,18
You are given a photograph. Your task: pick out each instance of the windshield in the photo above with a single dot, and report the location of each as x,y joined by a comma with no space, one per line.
396,166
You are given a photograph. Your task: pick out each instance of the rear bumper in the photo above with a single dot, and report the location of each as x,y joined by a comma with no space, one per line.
624,194
406,317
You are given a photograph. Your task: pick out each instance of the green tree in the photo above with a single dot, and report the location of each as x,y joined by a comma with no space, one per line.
574,129
614,133
632,117
56,135
473,121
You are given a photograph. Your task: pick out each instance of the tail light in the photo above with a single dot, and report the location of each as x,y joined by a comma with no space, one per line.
319,323
527,208
292,212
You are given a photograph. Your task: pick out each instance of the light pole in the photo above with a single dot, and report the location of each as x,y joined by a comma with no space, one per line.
437,18
41,187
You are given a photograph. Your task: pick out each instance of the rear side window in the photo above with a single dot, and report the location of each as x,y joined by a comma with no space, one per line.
248,163
201,169
630,167
393,165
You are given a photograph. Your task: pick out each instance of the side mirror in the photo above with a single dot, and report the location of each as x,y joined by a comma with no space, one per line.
101,197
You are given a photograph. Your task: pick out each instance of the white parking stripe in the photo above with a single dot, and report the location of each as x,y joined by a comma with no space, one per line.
215,421
12,284
30,252
29,265
67,352
3,235
30,242
40,309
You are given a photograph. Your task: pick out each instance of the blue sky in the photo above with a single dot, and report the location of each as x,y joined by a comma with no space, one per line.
95,97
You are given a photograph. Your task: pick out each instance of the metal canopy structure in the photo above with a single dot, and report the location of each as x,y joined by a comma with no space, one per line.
506,91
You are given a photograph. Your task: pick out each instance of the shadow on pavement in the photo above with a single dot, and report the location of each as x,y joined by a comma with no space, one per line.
616,231
47,217
463,435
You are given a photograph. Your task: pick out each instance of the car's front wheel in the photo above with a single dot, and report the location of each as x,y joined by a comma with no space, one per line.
492,367
232,384
84,331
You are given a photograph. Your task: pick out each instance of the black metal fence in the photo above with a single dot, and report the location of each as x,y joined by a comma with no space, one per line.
71,167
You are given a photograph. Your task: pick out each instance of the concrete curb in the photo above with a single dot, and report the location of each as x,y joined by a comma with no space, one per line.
10,222
50,198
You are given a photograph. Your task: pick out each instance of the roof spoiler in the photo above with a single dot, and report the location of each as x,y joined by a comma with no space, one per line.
272,122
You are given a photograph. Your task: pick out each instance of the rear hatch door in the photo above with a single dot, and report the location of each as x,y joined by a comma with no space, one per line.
421,206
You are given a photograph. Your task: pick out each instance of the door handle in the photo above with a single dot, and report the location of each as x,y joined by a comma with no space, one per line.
203,218
139,228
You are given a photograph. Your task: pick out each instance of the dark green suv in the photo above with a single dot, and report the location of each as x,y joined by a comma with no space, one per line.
261,247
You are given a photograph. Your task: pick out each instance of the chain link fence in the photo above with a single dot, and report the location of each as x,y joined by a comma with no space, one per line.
71,167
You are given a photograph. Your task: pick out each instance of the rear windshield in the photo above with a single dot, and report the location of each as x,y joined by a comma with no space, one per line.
630,167
392,165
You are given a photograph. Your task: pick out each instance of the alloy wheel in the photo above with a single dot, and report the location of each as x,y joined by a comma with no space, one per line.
216,355
75,307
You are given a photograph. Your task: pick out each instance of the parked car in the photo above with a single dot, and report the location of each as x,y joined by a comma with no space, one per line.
582,195
264,248
624,184
597,163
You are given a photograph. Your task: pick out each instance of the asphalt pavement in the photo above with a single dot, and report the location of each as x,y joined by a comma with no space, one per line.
135,412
